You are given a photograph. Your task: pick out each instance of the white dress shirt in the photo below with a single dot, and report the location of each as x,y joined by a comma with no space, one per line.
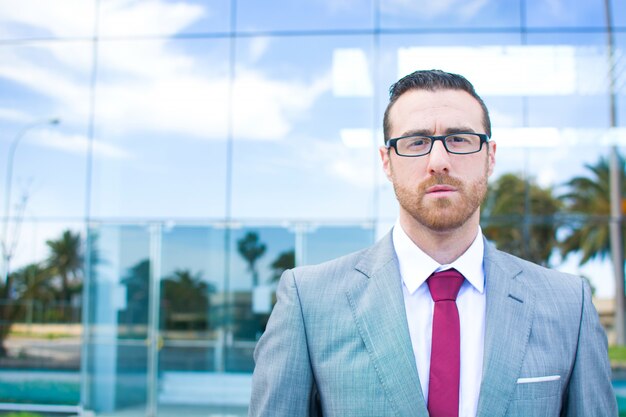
415,267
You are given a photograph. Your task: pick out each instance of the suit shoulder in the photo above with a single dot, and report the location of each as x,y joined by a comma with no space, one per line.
539,276
332,267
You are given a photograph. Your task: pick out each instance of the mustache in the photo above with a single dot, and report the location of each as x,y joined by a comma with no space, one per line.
440,179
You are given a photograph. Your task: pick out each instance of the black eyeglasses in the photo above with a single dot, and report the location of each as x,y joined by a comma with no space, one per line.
461,143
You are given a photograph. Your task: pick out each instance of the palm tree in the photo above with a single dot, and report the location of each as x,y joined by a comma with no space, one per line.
32,282
589,201
186,293
251,249
285,260
519,216
66,261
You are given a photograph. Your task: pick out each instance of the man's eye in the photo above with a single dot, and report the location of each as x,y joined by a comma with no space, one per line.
456,139
418,142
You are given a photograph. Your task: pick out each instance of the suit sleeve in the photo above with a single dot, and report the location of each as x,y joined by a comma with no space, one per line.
282,383
590,392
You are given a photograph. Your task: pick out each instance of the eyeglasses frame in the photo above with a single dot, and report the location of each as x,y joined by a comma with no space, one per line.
392,143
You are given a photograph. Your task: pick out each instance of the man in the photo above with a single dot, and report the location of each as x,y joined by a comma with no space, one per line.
433,320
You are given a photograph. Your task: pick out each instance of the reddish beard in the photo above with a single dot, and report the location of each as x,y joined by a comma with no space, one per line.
441,214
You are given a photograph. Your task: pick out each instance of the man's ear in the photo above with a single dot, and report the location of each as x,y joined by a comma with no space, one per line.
492,156
385,157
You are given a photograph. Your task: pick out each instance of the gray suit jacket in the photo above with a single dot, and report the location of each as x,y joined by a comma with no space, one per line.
337,343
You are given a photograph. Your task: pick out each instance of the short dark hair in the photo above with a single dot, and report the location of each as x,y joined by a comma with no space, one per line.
432,80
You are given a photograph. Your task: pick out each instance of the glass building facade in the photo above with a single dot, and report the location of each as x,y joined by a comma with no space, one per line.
164,161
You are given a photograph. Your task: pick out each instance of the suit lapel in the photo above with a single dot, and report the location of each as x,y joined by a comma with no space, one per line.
510,308
377,304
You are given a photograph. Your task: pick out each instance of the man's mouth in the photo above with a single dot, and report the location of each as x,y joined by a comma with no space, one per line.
441,188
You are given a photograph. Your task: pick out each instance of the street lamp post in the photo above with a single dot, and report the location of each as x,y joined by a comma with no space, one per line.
6,249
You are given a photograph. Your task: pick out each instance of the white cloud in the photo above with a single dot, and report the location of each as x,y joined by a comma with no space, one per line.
352,166
429,9
257,47
535,70
66,18
131,17
351,76
77,144
356,138
264,109
13,115
154,85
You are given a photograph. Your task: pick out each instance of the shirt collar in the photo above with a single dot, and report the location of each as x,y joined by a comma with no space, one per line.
416,266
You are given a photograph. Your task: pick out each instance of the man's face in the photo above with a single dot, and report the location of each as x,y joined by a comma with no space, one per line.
440,191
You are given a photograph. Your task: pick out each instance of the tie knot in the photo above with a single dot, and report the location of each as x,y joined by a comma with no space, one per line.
445,285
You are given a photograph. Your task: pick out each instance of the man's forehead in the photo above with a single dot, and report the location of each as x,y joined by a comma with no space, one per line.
456,105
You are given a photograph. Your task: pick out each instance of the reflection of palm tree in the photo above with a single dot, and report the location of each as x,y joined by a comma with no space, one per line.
66,261
251,250
285,260
591,196
137,283
31,282
184,292
503,215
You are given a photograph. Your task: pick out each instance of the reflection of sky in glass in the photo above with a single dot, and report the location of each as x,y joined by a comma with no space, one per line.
163,106
561,13
306,108
299,166
618,9
197,249
281,15
449,14
326,243
163,18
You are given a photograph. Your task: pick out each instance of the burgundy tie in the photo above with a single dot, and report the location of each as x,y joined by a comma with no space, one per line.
445,358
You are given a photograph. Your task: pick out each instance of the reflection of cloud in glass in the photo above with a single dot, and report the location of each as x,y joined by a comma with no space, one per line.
351,76
345,164
516,70
66,18
40,70
13,115
430,9
265,109
129,17
78,144
356,138
150,85
551,137
257,48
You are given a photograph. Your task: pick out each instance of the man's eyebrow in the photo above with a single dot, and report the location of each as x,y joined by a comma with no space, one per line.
426,132
460,129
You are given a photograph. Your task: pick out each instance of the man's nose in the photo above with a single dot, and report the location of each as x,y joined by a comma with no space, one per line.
438,159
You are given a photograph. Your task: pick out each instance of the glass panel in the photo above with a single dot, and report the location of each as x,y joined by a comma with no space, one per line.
258,257
303,129
330,242
618,9
119,295
562,13
189,385
37,19
43,117
581,96
620,78
40,315
303,16
163,18
449,14
194,273
161,129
